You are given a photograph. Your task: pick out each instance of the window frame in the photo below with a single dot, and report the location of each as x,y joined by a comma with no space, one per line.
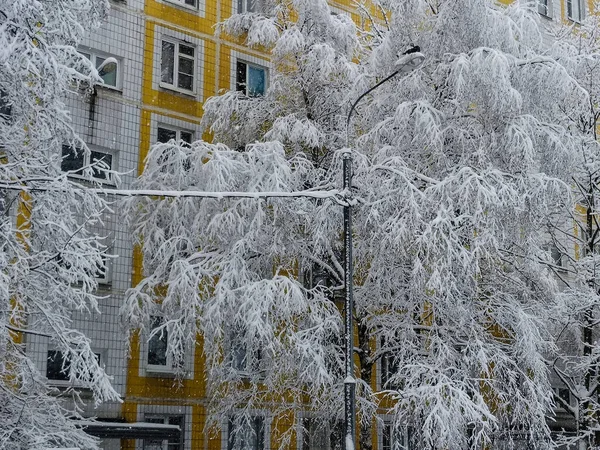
243,86
183,4
174,86
165,443
87,161
158,368
66,382
262,440
93,55
545,8
577,10
241,6
332,428
253,367
404,432
177,131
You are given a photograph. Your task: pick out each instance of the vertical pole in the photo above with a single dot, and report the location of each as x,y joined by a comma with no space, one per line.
349,381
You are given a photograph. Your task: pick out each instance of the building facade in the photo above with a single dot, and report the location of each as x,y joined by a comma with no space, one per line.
169,61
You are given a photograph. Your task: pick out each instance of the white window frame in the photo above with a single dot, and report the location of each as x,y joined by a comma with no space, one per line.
165,421
254,366
327,428
68,383
545,8
175,129
93,55
252,413
387,421
183,4
174,86
249,64
577,10
168,370
249,6
87,162
144,411
158,368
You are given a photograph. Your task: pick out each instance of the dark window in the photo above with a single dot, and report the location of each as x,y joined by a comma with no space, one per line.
246,434
171,444
250,79
322,434
57,368
5,105
73,159
396,438
389,367
157,345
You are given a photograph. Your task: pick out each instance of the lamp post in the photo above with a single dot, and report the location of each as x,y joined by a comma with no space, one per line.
409,61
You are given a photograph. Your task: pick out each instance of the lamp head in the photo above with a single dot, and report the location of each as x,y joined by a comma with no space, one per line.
409,61
109,65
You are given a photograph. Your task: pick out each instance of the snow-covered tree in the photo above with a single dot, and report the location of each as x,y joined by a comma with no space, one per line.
459,169
48,254
576,239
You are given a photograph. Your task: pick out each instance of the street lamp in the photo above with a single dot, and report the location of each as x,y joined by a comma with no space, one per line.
409,61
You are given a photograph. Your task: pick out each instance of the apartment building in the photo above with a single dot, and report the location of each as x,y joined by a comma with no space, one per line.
169,61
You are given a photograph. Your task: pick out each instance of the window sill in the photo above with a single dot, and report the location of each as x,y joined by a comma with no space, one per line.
108,87
170,87
102,181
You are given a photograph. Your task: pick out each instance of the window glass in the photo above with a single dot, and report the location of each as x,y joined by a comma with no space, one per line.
240,77
5,106
157,345
247,434
73,159
109,78
256,81
102,161
164,135
187,137
167,62
171,444
55,368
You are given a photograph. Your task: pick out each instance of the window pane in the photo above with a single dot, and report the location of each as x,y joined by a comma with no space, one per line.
240,77
190,2
54,368
157,346
102,161
164,135
167,62
256,81
186,66
185,82
5,106
72,159
186,50
240,6
186,137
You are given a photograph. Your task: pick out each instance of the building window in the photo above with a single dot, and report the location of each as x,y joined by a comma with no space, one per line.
396,438
158,357
171,444
250,79
545,7
575,10
322,434
110,78
165,134
244,357
177,65
390,366
58,367
5,105
250,6
74,160
190,3
246,433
